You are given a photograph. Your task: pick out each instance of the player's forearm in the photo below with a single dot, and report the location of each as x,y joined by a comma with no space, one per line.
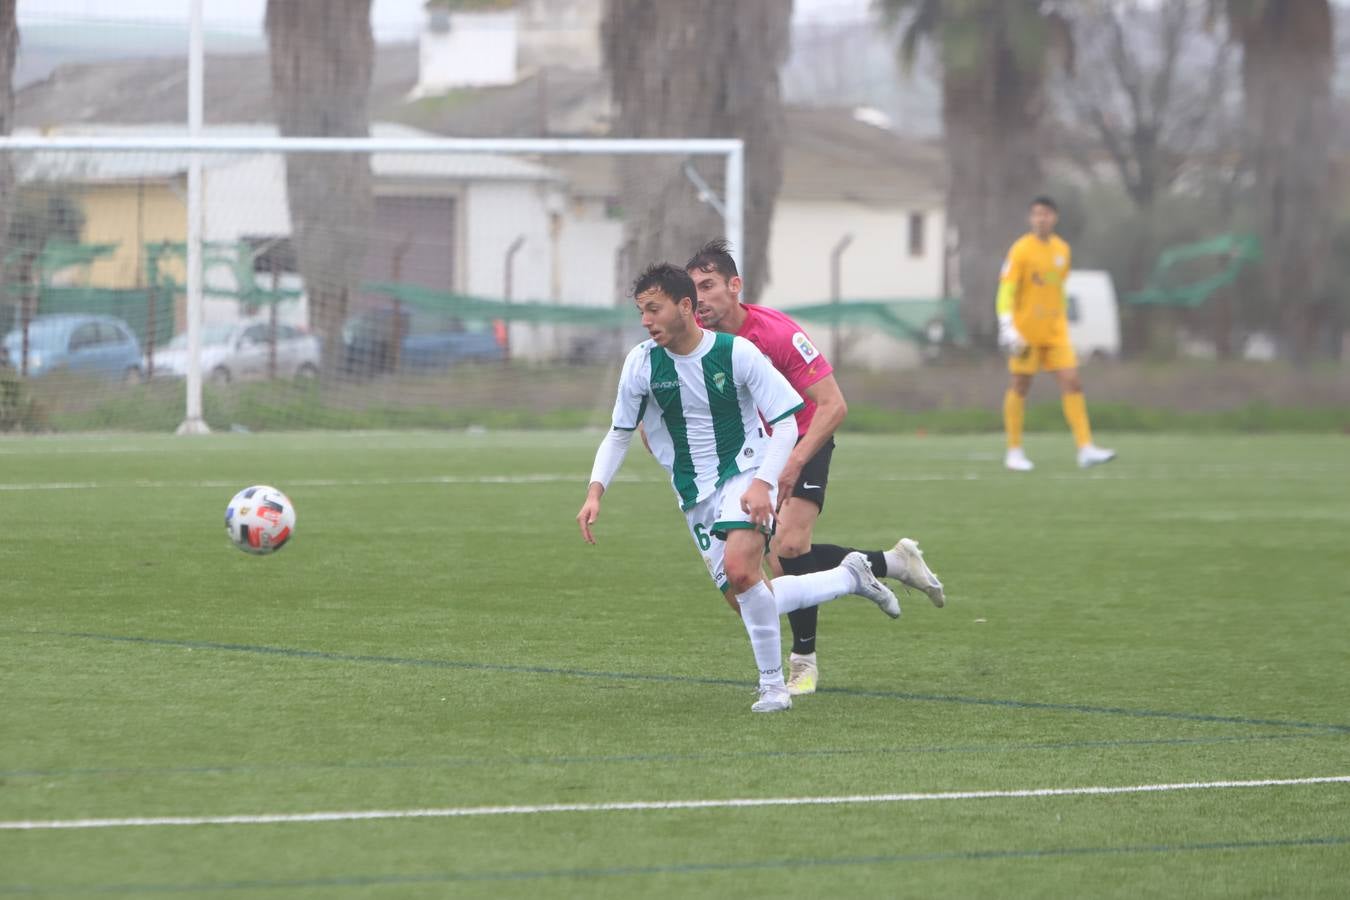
777,451
1007,295
609,457
829,416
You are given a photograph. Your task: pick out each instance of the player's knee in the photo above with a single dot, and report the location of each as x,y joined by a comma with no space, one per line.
741,578
791,546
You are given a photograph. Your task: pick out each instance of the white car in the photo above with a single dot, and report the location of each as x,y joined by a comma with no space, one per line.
240,352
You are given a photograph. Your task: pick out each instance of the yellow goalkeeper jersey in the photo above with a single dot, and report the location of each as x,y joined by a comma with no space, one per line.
1034,274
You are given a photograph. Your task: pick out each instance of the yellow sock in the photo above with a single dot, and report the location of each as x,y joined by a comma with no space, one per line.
1014,410
1075,413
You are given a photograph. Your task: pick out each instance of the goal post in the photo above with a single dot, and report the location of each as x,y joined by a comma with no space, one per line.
241,199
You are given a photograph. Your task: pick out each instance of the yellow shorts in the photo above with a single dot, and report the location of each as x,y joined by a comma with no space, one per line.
1043,358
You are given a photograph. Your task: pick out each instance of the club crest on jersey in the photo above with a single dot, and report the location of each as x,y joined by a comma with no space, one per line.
804,346
1059,260
720,380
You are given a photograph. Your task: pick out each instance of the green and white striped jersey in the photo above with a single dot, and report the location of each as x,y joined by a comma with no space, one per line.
702,412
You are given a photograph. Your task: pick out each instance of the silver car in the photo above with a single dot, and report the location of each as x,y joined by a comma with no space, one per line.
240,352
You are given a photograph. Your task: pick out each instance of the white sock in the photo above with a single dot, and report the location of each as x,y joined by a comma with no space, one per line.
759,612
794,592
895,566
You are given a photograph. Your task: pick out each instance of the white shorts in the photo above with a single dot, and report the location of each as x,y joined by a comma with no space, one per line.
710,520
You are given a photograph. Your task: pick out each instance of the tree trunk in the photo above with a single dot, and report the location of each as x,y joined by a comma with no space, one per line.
9,45
990,120
1286,74
322,55
697,69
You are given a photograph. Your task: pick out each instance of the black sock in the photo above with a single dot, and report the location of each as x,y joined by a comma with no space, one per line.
803,621
830,555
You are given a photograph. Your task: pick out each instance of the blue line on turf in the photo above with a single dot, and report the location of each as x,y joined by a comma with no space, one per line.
685,869
465,762
290,652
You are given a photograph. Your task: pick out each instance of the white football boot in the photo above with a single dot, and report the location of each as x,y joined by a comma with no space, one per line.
865,584
913,572
802,674
1016,460
1092,455
772,698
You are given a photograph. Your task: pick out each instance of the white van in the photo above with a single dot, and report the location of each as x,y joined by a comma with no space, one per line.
1094,319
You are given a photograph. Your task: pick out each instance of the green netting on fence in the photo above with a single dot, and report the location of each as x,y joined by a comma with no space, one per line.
1233,251
904,319
907,319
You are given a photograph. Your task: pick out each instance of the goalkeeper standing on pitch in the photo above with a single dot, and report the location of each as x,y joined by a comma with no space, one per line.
1033,329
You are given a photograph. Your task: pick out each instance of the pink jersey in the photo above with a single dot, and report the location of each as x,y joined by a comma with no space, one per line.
786,345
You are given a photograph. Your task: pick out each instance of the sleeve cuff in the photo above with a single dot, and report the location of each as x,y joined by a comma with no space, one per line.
791,412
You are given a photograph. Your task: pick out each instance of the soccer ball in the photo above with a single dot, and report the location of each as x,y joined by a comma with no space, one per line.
260,519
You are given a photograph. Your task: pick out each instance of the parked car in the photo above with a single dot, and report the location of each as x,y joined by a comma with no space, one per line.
429,342
96,345
240,352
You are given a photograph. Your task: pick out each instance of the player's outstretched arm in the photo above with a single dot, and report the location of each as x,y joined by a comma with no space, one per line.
608,458
590,511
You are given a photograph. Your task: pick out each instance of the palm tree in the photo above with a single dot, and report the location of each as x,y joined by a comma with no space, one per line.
697,68
995,57
322,55
1287,63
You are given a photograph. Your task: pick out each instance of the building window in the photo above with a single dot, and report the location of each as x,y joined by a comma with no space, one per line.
916,222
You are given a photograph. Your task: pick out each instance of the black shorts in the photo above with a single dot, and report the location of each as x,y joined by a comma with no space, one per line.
815,476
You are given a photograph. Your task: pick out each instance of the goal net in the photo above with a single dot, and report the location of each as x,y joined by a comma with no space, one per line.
388,282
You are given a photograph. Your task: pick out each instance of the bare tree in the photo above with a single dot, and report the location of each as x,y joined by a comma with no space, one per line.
697,68
1156,105
1156,97
996,56
322,56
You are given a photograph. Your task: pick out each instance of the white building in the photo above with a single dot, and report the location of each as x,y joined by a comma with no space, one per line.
847,182
446,222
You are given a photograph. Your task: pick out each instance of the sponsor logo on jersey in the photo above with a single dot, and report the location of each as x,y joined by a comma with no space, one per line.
666,385
749,451
804,346
1059,260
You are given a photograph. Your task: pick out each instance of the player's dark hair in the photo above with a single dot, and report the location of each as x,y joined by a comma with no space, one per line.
670,280
714,256
1046,201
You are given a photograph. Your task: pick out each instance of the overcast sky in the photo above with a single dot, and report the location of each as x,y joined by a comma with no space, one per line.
392,19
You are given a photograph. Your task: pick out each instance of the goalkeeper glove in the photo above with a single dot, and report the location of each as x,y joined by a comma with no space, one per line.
1009,338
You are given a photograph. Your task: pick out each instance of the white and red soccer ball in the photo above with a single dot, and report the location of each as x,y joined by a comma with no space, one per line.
260,519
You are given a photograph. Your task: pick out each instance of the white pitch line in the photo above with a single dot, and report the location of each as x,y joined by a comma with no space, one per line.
648,805
553,477
543,478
